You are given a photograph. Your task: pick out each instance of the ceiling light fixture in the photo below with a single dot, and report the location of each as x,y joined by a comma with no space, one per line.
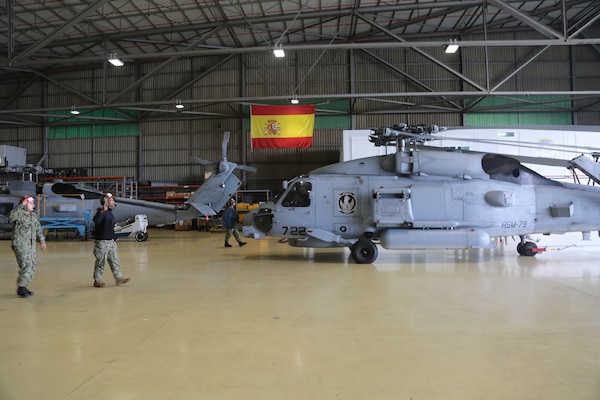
114,59
278,51
74,111
294,99
452,47
179,106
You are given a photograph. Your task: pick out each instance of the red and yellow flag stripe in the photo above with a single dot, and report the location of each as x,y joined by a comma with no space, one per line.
286,126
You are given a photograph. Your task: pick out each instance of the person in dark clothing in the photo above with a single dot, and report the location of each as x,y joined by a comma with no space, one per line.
230,220
105,248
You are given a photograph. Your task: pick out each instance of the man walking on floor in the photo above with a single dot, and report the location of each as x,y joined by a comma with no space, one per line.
230,221
105,248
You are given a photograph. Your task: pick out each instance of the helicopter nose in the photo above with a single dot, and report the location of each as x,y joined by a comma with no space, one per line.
257,223
263,220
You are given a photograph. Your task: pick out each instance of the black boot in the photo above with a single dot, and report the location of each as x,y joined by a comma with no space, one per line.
24,292
242,244
227,244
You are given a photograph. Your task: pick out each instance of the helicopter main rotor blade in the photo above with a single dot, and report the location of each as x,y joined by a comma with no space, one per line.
427,133
552,162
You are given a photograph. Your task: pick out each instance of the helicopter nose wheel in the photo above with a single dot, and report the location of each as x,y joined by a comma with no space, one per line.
363,251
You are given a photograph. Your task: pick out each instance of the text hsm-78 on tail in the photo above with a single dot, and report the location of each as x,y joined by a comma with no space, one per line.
424,197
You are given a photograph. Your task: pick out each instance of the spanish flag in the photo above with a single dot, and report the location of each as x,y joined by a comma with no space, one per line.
278,127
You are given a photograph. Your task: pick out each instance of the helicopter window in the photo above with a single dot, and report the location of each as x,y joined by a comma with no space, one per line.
508,169
298,195
5,208
277,196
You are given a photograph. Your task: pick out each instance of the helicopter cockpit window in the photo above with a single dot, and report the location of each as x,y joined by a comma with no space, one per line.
298,195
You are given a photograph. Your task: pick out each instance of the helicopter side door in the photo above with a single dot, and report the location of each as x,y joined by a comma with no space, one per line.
438,205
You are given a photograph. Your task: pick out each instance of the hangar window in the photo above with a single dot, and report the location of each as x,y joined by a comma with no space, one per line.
298,195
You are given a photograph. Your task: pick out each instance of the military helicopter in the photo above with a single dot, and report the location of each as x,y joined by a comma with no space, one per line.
425,197
68,203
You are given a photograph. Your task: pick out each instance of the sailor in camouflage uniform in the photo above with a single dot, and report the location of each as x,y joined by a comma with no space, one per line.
26,230
105,248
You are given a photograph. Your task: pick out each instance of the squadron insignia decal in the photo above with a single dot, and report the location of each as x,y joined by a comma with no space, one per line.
347,203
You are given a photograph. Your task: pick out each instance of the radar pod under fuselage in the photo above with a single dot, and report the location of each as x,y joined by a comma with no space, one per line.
398,239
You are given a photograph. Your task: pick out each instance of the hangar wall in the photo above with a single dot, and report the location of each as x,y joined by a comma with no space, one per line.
163,142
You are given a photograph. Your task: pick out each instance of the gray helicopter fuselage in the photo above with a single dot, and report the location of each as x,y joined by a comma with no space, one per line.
57,201
414,200
78,203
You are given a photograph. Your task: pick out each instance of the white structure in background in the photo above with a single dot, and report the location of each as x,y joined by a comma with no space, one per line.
11,156
556,142
564,143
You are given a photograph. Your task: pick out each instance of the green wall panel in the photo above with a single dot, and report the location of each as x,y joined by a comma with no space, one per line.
520,115
89,124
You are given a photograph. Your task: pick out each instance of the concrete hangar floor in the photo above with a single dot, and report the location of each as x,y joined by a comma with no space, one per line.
268,321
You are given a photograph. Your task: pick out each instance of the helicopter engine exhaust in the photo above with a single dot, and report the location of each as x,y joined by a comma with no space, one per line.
398,239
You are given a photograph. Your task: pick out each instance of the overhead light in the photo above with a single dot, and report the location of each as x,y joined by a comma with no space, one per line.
278,51
114,59
74,111
294,99
452,47
179,106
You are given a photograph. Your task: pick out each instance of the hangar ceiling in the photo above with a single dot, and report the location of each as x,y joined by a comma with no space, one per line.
40,37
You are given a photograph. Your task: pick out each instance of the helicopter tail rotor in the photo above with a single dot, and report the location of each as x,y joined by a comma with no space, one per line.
223,164
201,161
224,145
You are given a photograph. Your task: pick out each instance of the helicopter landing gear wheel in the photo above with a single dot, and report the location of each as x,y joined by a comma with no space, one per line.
141,236
526,249
363,251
